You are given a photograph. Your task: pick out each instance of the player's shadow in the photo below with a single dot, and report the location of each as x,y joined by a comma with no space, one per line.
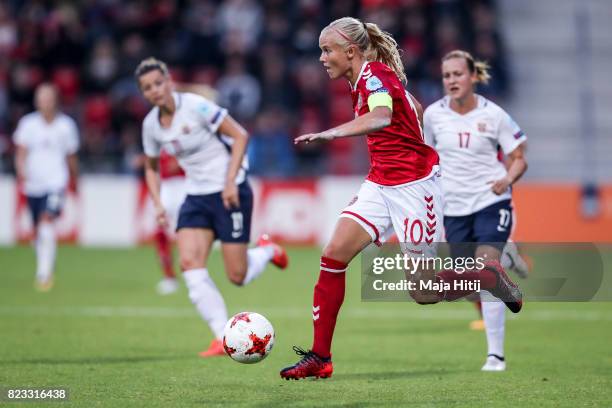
309,404
404,330
393,375
101,360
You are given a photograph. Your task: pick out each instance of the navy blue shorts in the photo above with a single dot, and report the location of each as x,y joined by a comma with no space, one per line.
491,226
51,204
207,211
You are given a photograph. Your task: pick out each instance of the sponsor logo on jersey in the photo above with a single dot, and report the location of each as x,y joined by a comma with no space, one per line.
519,134
373,83
353,201
359,102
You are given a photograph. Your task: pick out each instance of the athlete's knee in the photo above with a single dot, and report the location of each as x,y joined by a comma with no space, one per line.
423,294
236,271
424,297
236,276
189,261
46,217
337,252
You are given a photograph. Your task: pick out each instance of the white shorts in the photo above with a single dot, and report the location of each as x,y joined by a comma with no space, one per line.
172,195
414,210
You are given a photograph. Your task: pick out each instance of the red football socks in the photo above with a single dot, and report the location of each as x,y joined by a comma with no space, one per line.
478,305
164,252
328,298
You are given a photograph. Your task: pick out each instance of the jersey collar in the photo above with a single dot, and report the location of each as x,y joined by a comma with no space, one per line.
481,102
178,98
44,121
359,76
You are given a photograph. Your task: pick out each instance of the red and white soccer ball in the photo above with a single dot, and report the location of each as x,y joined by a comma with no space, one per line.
248,337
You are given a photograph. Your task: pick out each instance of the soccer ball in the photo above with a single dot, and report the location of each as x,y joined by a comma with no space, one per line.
248,337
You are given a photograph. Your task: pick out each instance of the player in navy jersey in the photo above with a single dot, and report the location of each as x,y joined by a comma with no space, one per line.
209,146
401,191
466,129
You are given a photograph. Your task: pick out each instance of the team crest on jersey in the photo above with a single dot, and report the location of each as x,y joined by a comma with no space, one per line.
482,127
186,130
373,83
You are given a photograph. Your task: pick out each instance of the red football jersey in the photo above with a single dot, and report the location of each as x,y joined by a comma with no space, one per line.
398,153
168,166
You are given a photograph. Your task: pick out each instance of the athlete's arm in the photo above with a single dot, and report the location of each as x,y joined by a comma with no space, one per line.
517,165
378,118
418,107
73,170
153,185
20,159
231,128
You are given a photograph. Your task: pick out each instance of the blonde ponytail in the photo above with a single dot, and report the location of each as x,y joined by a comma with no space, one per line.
377,45
482,71
383,48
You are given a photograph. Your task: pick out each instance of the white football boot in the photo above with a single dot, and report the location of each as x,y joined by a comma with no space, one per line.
167,286
493,363
511,259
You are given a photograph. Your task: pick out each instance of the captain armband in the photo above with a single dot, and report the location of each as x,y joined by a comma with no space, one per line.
380,99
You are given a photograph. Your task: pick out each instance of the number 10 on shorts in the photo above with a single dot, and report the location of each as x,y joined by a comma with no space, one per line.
416,231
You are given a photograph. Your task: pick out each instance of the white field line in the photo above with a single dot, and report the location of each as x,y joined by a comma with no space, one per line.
359,312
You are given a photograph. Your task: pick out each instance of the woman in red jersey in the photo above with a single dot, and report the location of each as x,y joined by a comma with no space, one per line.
401,191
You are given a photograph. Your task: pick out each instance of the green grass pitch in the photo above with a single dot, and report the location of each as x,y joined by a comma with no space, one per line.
105,334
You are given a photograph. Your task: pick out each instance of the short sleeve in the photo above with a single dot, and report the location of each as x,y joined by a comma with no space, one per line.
376,88
20,137
510,135
210,114
150,146
72,137
430,137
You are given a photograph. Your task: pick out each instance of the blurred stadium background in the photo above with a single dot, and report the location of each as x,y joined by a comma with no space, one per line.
104,332
551,62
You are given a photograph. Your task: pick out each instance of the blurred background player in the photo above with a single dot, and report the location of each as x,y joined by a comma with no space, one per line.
466,130
46,145
511,259
401,191
219,200
172,195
